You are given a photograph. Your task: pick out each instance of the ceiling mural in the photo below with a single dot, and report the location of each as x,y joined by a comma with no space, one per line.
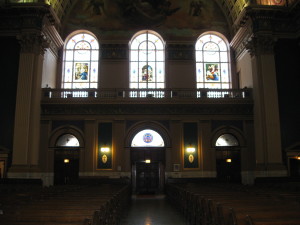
173,17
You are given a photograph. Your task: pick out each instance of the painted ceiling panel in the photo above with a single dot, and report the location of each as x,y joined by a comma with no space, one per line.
153,12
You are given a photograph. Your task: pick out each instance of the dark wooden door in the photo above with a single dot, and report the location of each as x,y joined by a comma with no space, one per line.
147,177
66,166
228,164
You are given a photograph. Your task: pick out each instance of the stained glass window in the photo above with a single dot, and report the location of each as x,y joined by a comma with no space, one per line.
81,56
147,138
212,62
147,61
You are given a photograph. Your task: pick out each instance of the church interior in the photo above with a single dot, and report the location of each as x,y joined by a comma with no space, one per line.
151,97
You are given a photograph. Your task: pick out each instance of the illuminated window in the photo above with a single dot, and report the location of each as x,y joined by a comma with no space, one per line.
147,138
67,140
227,140
147,61
81,56
212,62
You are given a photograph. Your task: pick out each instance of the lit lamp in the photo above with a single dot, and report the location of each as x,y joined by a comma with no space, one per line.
66,160
104,149
147,161
105,154
190,150
298,157
228,160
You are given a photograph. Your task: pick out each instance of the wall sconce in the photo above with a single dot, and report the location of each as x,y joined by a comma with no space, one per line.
147,161
190,150
228,160
104,149
66,160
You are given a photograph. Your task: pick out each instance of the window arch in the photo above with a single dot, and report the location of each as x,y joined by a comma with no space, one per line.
80,65
147,138
212,62
226,140
67,140
147,61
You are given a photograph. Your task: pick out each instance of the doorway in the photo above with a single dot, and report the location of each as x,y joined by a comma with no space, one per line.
294,164
66,166
147,177
228,165
148,170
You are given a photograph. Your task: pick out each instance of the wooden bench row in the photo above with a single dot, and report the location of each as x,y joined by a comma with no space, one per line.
75,206
221,206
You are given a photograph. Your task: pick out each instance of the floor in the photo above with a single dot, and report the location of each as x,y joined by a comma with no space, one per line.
152,210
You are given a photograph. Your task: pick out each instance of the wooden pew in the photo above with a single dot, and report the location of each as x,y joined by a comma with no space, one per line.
236,206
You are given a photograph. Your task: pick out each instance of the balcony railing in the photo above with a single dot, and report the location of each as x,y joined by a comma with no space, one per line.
49,94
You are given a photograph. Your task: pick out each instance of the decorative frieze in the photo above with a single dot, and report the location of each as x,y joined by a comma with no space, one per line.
147,109
180,52
114,51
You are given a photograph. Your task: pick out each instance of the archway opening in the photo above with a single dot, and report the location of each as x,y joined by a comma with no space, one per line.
66,160
148,162
228,158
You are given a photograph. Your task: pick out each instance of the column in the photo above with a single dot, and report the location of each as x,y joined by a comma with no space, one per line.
266,110
27,115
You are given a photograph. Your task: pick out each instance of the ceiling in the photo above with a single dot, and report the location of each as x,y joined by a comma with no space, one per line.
230,8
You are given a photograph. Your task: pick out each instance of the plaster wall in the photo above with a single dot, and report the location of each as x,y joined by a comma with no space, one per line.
244,68
49,70
180,74
114,74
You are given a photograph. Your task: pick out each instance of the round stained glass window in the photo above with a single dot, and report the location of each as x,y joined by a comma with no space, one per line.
148,138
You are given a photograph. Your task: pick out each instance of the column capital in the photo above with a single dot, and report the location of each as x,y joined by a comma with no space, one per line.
260,44
33,43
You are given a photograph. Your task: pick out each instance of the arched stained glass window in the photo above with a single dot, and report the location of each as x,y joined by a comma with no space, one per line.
227,140
147,138
212,62
67,140
147,61
81,56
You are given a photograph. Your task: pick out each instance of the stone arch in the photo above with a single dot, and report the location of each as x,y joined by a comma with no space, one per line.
237,133
58,132
159,128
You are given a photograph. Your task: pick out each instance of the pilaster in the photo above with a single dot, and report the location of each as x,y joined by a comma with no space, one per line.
258,32
27,115
266,108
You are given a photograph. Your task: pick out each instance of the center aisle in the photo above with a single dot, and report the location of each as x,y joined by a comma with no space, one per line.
152,210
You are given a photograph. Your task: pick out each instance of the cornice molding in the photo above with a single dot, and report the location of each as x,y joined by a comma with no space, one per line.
259,27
